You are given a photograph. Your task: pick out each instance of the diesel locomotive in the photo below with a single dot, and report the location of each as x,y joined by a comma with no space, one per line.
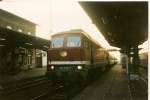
75,57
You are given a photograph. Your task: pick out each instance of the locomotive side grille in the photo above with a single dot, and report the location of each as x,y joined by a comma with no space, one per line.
64,68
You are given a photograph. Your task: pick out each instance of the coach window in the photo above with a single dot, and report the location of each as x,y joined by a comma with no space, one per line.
57,42
74,41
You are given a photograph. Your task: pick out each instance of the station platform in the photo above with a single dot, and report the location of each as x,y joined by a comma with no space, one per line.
23,75
114,85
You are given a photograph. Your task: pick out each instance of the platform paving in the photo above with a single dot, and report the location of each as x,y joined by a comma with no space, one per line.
114,85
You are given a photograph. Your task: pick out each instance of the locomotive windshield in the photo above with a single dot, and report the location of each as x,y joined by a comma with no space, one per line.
73,41
57,42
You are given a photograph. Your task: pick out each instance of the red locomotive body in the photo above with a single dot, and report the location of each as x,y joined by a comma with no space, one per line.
74,56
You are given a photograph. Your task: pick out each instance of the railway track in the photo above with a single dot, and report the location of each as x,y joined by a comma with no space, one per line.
59,92
138,90
23,84
62,92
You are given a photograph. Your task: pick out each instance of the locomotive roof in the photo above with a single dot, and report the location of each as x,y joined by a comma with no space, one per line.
78,31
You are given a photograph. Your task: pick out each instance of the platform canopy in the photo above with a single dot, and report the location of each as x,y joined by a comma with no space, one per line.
12,38
123,24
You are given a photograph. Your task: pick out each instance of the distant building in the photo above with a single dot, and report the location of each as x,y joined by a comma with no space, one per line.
22,56
16,23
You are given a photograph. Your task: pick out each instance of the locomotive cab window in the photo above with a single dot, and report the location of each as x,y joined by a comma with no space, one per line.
73,41
86,43
57,42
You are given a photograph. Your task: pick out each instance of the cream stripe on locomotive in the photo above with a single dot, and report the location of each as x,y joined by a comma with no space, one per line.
69,62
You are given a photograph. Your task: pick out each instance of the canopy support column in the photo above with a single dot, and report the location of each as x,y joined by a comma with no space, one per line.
133,59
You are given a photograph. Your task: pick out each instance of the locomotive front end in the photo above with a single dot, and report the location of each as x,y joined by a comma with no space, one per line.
66,72
66,59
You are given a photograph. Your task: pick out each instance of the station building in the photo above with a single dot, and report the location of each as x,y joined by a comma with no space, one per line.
20,49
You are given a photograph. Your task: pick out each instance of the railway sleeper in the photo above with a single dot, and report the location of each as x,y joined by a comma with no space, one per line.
22,84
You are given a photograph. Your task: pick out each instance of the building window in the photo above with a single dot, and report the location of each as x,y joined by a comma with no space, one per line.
9,27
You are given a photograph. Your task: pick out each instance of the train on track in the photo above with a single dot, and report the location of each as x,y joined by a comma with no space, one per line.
75,57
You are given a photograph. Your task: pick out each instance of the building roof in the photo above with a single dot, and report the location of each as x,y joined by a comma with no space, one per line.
13,38
7,15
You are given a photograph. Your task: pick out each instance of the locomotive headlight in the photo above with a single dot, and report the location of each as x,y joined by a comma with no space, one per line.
52,67
79,67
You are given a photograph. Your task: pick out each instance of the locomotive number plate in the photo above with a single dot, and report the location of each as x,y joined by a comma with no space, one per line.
64,68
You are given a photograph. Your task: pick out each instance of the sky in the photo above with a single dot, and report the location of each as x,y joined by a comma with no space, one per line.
37,12
52,16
